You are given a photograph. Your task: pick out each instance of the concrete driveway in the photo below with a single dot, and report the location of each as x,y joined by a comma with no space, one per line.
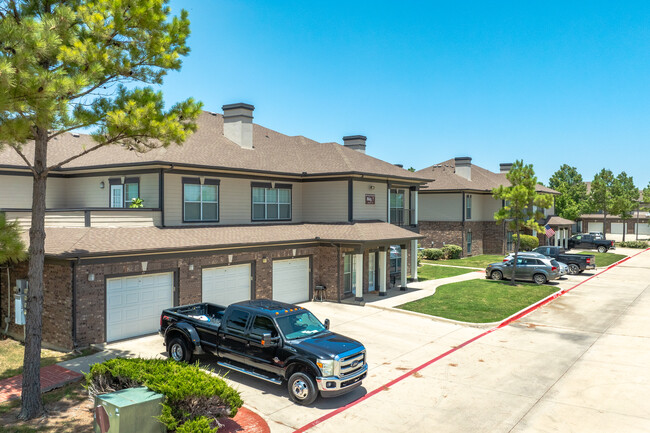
580,363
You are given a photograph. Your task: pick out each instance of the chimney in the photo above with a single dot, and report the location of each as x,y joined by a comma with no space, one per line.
238,124
464,167
505,167
355,142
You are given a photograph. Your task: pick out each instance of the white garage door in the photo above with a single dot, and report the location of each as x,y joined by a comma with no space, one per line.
596,227
617,228
134,304
291,280
643,228
226,285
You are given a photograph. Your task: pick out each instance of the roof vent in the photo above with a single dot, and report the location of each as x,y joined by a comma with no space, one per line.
75,134
505,167
463,167
355,142
399,165
238,124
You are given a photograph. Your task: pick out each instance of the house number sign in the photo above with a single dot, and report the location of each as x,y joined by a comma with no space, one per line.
370,199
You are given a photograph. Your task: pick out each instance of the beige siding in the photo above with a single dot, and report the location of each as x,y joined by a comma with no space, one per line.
16,192
57,219
124,218
363,211
440,207
55,194
85,192
325,201
483,207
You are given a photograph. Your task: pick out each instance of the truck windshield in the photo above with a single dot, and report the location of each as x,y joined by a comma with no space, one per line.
300,325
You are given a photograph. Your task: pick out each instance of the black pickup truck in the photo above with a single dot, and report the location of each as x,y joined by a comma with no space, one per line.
576,262
591,242
269,340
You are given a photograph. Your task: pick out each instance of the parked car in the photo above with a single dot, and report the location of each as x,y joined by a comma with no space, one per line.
577,263
528,268
597,235
590,242
270,340
563,268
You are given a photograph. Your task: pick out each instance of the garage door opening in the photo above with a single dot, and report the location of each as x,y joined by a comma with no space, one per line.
226,285
291,280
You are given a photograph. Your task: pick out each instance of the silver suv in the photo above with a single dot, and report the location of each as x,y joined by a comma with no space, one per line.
563,268
528,268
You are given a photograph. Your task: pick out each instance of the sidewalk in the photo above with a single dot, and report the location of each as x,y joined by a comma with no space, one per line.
52,376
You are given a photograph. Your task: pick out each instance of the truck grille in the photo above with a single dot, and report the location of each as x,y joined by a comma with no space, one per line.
352,363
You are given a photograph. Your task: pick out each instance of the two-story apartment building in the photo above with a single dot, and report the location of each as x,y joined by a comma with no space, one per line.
238,212
457,207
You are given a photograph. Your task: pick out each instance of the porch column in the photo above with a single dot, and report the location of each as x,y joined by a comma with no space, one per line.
404,267
358,269
414,260
382,273
557,238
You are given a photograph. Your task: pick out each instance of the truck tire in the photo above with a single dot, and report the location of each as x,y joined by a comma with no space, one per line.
302,388
178,350
574,269
496,275
602,249
539,279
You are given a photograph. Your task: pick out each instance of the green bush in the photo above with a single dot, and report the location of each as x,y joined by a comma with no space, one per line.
433,254
633,244
191,394
452,251
528,242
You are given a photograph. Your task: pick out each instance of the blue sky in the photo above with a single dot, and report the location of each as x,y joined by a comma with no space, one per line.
546,82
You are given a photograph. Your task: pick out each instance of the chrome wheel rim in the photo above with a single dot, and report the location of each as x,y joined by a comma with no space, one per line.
540,279
496,275
300,389
177,352
573,269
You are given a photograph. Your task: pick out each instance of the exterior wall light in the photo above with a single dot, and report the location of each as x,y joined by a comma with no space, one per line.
101,185
144,266
91,277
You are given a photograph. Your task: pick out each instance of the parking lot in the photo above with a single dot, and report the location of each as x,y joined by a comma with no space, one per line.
576,364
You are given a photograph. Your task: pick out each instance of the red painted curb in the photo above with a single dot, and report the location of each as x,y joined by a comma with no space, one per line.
503,324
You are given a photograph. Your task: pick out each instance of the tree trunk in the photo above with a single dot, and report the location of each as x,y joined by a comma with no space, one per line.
32,402
514,259
605,224
624,229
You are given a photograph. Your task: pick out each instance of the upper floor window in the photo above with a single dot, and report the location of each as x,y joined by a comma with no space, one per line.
269,203
123,193
200,200
468,207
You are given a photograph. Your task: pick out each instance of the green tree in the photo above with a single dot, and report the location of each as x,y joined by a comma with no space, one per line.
625,198
63,66
522,202
572,201
12,247
601,197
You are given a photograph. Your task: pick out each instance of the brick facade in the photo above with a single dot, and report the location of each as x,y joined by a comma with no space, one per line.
488,237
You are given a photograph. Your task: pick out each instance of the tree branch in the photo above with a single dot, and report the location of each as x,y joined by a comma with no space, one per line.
85,152
31,168
72,128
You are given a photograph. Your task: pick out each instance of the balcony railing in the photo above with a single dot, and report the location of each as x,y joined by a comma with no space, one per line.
120,217
402,217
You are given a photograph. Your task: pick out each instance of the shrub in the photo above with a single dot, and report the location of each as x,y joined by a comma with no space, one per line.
633,244
452,251
192,395
528,242
433,254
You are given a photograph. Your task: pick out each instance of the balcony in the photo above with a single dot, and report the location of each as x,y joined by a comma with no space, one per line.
118,217
403,217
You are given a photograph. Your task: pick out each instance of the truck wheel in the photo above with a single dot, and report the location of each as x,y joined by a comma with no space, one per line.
496,275
602,249
539,279
302,388
574,269
178,350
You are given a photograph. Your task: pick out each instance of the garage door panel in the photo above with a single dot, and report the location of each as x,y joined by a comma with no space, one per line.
291,280
643,228
133,304
596,227
226,285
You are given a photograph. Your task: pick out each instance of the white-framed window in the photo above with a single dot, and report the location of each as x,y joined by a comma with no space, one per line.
468,207
122,193
469,242
200,200
270,203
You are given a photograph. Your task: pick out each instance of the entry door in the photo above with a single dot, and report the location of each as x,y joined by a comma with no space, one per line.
291,280
371,271
134,304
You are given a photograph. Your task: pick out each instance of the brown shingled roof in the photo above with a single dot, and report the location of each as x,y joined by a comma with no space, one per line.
99,241
273,153
445,179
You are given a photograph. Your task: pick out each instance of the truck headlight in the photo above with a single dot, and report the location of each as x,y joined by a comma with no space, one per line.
326,366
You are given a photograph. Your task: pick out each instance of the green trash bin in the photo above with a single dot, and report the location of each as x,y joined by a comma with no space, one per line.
129,410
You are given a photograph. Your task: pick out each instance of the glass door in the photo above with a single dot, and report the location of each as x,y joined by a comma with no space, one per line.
371,271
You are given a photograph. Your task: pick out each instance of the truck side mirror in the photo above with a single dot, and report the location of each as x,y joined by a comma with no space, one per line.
268,341
327,323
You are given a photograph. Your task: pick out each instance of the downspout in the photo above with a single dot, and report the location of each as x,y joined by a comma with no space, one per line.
462,230
8,316
74,304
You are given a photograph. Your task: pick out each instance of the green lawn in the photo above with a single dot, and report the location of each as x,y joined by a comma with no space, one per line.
605,259
11,361
427,272
480,261
480,301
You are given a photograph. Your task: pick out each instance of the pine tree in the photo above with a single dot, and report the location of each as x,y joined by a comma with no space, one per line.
601,197
12,247
521,199
63,66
